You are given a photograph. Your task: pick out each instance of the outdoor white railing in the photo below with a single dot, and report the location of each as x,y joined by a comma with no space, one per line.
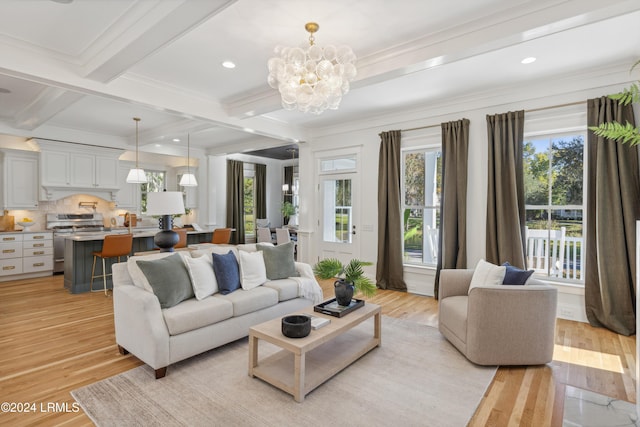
552,253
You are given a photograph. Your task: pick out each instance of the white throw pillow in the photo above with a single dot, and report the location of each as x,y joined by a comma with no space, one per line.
137,276
253,272
203,278
487,274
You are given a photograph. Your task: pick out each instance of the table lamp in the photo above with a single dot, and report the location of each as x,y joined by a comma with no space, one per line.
165,204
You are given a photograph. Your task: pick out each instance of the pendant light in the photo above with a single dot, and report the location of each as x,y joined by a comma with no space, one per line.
188,179
137,175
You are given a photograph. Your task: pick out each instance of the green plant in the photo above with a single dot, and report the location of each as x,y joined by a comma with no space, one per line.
626,133
352,272
288,209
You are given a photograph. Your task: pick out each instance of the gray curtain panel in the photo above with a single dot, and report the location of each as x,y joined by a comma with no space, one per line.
389,270
235,199
452,236
261,191
288,179
613,206
505,190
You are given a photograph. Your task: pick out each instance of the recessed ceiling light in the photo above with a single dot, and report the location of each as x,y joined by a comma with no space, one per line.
228,64
158,145
528,60
176,140
4,90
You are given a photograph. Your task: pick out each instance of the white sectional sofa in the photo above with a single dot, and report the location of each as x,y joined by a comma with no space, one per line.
162,336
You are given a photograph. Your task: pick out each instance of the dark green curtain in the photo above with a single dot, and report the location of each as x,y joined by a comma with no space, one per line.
389,268
261,191
613,206
452,235
505,240
235,200
288,196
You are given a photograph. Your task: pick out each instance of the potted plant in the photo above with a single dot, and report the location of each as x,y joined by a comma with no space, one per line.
350,277
288,210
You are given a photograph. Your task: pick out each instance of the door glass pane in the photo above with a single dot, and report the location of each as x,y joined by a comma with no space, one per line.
338,217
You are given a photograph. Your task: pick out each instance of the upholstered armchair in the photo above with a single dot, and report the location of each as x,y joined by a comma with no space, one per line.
498,324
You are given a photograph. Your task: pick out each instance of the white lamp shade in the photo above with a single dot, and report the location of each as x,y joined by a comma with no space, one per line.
137,176
188,180
165,203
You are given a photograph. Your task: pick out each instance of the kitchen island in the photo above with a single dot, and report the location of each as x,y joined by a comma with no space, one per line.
78,258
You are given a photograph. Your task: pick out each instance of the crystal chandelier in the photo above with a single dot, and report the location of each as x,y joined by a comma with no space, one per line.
312,78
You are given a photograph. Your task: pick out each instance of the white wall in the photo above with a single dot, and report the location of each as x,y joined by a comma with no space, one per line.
365,135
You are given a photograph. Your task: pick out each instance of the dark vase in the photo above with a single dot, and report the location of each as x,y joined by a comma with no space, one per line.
344,291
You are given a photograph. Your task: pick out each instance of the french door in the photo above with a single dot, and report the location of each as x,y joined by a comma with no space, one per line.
338,216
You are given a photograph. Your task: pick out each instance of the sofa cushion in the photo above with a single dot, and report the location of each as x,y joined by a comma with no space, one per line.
203,278
193,314
214,249
279,260
227,272
515,275
486,273
249,301
168,278
287,288
137,276
252,270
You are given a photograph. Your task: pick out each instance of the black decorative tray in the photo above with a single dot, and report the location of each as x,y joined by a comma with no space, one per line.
332,308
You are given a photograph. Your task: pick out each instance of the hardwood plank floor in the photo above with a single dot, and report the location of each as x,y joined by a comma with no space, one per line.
52,342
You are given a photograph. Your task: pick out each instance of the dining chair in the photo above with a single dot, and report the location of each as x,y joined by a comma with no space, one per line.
264,235
221,236
282,236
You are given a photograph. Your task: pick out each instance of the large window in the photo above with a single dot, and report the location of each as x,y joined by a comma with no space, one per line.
421,189
155,182
554,201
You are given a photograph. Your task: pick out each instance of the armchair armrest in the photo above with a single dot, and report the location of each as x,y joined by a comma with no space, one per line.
139,323
514,325
454,282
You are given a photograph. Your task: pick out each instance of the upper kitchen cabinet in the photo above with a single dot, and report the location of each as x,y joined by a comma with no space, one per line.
19,188
78,167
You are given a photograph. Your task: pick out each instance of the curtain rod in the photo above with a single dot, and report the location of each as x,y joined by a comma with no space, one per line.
568,104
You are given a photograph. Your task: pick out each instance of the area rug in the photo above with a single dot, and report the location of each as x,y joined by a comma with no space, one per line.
416,378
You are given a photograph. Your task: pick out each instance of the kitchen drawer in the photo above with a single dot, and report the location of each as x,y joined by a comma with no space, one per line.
29,252
10,266
37,263
27,244
6,238
38,236
10,250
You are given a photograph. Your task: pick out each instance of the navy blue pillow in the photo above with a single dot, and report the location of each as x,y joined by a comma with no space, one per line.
515,276
227,273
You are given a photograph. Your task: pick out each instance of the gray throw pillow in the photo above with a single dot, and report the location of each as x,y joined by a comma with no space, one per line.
279,261
169,279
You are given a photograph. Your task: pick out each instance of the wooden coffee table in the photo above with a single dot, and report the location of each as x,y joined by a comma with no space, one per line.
305,363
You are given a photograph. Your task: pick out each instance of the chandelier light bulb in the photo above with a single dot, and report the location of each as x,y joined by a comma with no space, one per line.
311,78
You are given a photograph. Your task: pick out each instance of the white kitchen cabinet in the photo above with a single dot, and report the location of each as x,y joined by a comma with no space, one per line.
128,196
190,193
25,255
68,166
20,179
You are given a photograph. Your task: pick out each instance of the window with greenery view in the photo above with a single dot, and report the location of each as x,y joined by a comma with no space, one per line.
249,205
155,182
554,202
421,190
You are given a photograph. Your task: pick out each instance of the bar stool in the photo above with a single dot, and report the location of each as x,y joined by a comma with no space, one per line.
116,245
221,235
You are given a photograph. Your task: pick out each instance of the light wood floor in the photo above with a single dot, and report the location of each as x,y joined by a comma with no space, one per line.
52,342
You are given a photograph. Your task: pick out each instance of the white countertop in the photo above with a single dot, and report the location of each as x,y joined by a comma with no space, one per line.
85,237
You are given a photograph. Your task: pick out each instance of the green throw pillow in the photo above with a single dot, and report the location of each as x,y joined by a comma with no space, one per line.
279,261
169,279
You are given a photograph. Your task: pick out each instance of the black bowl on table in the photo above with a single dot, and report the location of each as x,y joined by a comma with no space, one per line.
296,326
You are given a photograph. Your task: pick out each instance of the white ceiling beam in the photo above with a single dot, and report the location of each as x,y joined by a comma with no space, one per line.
49,102
135,45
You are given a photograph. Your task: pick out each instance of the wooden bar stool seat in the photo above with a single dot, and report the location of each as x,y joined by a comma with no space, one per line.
114,246
221,235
